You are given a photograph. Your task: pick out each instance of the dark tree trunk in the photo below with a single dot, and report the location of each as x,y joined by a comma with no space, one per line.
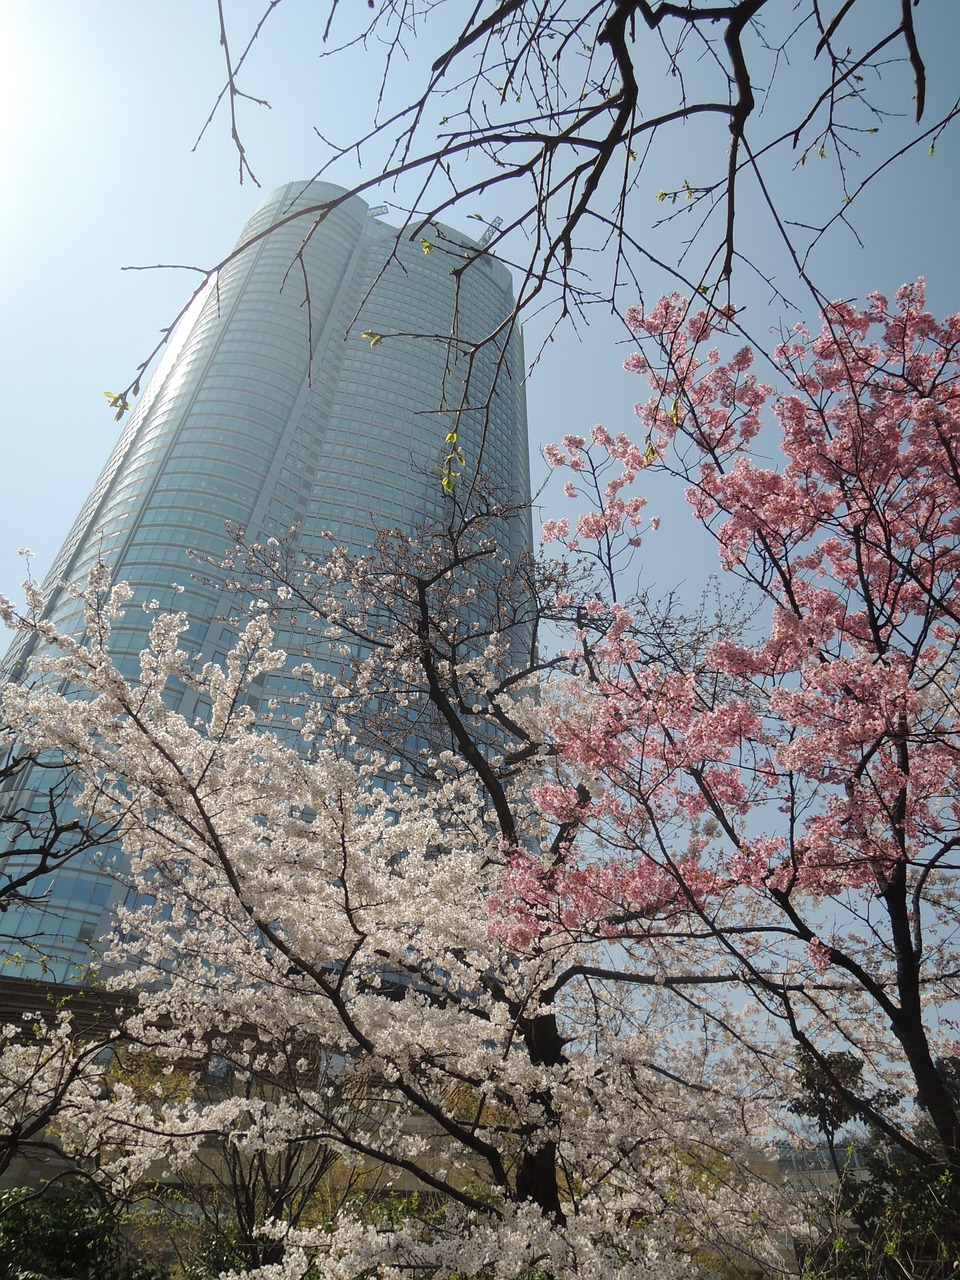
537,1176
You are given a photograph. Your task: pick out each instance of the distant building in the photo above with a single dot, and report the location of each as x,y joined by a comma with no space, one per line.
272,415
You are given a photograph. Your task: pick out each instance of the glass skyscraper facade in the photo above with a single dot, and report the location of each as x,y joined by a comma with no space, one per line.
277,413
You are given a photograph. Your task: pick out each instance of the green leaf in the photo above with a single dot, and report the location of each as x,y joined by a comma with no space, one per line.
118,401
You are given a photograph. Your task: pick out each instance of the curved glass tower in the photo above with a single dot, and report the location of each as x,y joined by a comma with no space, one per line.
281,409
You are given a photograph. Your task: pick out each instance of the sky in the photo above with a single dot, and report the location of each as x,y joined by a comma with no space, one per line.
101,103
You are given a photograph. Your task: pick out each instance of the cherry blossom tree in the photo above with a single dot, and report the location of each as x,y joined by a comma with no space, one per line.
51,1061
790,798
330,906
575,918
40,828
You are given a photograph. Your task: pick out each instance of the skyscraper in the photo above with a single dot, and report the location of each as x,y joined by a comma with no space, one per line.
301,397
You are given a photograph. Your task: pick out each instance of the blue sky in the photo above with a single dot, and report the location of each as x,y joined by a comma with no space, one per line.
101,102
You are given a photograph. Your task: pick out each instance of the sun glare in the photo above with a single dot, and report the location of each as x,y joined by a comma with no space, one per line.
11,91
